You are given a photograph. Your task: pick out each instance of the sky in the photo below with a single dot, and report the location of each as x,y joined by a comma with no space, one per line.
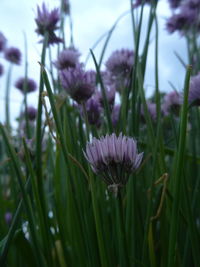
91,19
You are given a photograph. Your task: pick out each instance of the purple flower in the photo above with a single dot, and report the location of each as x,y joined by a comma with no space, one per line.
31,113
47,23
8,217
110,94
68,58
26,85
171,103
120,62
113,158
174,3
151,107
2,42
119,66
139,2
1,70
187,18
115,114
93,109
13,55
66,6
194,90
79,84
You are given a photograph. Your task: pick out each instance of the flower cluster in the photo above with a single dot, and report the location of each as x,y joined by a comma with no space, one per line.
113,158
13,55
2,42
186,18
79,84
119,66
68,58
26,85
47,23
171,103
194,90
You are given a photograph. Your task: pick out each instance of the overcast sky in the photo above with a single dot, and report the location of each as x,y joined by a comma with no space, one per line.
90,20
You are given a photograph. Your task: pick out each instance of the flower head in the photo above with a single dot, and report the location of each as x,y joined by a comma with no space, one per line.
2,42
194,90
115,114
68,58
120,62
66,6
47,23
79,84
139,2
26,85
171,103
110,95
31,113
151,107
174,3
113,158
13,55
186,19
1,70
93,109
119,66
8,217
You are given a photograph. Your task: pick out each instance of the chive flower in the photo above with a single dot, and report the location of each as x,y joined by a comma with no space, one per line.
151,107
31,113
79,84
110,95
26,85
174,3
119,66
8,218
194,90
115,114
1,69
47,23
2,42
93,109
68,58
114,159
171,103
13,55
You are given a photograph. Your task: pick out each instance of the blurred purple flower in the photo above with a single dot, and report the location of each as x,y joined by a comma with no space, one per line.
47,23
110,94
79,84
187,18
31,113
13,55
66,6
137,3
1,70
174,3
115,114
194,90
171,103
151,107
93,109
26,85
68,58
178,22
3,41
120,62
8,217
119,66
113,158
